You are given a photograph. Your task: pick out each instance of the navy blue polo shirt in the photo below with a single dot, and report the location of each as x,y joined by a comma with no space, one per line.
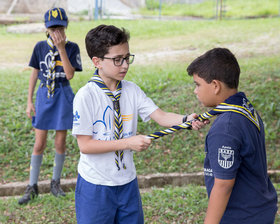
41,59
235,148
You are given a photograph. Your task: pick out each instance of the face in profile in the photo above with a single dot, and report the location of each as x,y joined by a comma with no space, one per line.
204,91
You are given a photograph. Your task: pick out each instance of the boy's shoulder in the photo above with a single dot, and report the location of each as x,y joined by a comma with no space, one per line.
87,89
90,89
129,85
234,123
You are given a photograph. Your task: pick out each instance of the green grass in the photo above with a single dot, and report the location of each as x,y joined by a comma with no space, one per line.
207,9
256,45
164,80
185,204
167,205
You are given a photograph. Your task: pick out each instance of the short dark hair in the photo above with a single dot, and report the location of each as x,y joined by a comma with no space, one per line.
101,38
217,64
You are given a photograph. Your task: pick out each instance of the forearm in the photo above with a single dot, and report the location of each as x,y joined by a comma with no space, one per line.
88,145
32,83
99,146
67,67
171,119
166,119
218,201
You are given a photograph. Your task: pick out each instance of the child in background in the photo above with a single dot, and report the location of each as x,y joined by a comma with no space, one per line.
106,111
54,63
235,166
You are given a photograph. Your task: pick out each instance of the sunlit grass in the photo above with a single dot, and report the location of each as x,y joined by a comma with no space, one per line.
208,9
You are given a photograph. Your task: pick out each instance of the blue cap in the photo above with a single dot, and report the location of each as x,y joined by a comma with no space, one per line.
56,17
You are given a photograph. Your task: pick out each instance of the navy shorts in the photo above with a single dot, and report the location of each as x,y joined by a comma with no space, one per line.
108,204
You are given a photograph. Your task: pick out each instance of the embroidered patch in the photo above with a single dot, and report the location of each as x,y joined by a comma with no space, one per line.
76,116
78,59
54,13
226,157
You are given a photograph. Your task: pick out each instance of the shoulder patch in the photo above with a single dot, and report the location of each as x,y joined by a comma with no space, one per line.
226,157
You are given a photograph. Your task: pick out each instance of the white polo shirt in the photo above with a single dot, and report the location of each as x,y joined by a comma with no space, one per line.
94,116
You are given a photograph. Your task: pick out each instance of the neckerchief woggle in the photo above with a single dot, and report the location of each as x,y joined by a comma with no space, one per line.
237,103
50,83
118,123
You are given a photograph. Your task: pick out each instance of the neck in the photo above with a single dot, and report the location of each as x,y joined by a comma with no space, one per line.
110,83
225,95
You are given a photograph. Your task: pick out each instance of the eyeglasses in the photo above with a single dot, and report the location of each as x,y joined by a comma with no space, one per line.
118,61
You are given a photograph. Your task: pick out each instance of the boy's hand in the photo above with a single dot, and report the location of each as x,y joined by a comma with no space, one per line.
138,143
196,124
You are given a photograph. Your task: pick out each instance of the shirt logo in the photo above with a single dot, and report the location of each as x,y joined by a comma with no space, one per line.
46,64
226,157
246,104
76,116
127,117
104,125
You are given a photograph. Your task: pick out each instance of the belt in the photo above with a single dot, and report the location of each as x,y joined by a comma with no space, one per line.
57,84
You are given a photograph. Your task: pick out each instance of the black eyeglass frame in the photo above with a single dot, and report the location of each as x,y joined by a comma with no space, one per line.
127,59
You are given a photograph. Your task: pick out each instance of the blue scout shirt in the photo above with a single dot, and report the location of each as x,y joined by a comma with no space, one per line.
41,59
235,148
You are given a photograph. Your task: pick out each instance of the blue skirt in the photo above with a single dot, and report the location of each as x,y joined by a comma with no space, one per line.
54,113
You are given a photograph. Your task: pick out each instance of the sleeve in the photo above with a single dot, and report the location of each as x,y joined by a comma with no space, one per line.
75,57
34,60
83,114
223,151
145,105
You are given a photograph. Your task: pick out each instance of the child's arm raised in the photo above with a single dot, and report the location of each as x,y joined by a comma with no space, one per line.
218,200
59,41
88,145
167,119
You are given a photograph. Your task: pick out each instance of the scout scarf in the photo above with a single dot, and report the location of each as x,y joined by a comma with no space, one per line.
118,123
237,103
50,83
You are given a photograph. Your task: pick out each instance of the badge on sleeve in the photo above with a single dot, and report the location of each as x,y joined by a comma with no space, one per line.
226,157
76,118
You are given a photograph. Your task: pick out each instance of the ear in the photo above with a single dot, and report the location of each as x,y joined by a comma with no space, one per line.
96,61
217,86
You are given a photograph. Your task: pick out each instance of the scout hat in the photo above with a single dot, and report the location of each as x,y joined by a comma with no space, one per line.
56,17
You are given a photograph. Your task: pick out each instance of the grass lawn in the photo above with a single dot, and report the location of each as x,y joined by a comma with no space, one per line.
166,205
163,50
186,204
207,8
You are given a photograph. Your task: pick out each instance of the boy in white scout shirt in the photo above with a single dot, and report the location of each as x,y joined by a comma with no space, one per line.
106,110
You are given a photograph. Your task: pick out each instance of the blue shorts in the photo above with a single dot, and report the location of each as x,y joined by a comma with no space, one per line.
108,204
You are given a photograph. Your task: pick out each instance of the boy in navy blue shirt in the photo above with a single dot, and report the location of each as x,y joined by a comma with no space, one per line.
235,166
